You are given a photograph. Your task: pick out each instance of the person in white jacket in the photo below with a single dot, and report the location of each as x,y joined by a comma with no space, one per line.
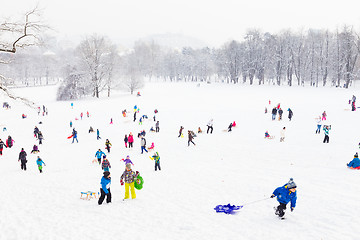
210,126
282,134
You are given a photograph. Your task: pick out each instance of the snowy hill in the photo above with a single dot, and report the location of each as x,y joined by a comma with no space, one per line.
177,202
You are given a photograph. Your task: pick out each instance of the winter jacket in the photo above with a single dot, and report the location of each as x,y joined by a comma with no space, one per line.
105,164
105,184
190,136
282,133
128,161
274,111
285,196
126,139
131,138
290,113
129,176
143,142
36,130
22,155
280,112
210,123
9,142
2,144
156,157
108,144
180,131
326,130
40,136
354,163
98,154
157,124
39,162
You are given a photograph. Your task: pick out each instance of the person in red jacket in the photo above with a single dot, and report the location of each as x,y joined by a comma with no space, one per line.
130,140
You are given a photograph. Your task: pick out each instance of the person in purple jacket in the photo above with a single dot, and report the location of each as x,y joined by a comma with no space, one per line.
127,160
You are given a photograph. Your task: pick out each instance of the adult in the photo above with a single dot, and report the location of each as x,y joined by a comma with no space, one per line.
143,145
326,129
105,188
210,126
22,158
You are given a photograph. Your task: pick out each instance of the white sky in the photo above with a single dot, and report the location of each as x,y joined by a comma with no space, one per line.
214,22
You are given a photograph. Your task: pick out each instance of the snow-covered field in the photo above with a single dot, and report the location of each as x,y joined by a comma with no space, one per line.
177,202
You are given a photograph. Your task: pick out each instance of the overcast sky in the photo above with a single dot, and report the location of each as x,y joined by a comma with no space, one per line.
212,21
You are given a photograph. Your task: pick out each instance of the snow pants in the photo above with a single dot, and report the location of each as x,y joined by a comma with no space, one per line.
23,165
132,189
209,127
326,139
280,210
157,165
102,196
131,144
143,148
40,168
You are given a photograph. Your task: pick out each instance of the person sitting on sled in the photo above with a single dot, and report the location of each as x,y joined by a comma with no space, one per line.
285,194
355,163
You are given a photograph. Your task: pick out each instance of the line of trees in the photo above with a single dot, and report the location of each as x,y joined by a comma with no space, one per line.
312,57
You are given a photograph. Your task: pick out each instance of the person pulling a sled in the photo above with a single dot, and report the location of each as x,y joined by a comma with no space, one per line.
285,194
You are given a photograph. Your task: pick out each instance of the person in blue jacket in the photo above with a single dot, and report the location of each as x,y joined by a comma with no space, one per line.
98,134
355,163
285,194
98,154
40,162
105,188
74,134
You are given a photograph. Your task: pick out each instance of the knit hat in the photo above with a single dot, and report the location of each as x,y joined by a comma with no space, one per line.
106,174
291,184
356,155
128,165
104,156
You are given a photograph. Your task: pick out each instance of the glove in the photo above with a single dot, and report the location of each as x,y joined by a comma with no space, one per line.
292,209
121,182
272,196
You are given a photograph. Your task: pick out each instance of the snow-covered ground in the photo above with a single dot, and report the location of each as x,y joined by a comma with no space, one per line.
178,202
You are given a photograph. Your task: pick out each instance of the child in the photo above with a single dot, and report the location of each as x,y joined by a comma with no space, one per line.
35,149
126,140
105,164
199,130
180,131
190,138
318,122
108,145
285,194
127,160
91,129
151,147
229,127
2,145
326,132
282,135
324,115
267,135
98,154
129,176
105,188
355,163
156,158
40,162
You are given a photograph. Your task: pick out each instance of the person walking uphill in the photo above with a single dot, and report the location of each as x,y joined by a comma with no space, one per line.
105,188
22,158
290,114
210,126
143,145
129,175
285,194
105,164
98,154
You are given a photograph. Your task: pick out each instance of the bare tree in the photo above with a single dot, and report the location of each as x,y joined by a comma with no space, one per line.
19,34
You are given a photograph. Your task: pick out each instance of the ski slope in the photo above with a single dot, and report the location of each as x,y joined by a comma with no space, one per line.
177,202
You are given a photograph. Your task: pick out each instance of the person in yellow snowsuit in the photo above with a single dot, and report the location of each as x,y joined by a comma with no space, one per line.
129,176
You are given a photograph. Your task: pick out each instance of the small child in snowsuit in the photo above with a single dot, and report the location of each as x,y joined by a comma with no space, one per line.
35,149
127,160
40,162
105,164
126,140
129,176
285,194
355,163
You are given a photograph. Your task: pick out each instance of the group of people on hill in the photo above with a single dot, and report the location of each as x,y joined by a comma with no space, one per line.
278,111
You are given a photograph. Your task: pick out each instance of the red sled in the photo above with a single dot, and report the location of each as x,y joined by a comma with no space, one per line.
357,168
70,136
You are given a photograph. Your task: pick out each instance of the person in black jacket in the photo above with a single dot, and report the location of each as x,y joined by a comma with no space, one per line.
290,114
180,131
273,113
22,158
2,144
280,114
